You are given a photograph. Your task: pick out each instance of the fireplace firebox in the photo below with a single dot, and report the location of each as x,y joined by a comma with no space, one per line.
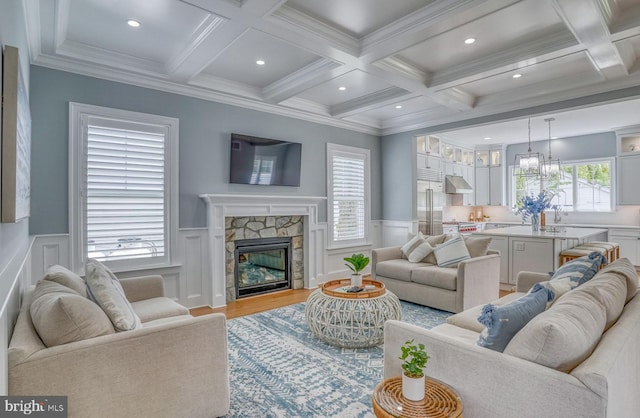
262,265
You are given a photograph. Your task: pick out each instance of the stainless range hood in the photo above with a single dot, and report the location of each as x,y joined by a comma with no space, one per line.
456,184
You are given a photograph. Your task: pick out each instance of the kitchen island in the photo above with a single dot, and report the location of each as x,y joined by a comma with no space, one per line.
522,249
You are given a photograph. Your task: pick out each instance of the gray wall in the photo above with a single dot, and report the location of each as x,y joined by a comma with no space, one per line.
205,129
12,32
567,149
398,181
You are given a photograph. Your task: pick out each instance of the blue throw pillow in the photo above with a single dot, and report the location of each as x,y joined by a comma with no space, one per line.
503,322
581,269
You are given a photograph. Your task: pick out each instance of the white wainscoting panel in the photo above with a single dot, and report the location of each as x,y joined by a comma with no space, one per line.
48,250
395,232
186,281
194,257
14,278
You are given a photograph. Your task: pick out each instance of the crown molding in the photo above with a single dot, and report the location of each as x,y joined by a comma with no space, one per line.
298,81
85,53
146,81
211,82
305,24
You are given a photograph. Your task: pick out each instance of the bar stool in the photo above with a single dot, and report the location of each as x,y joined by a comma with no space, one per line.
612,248
615,252
577,252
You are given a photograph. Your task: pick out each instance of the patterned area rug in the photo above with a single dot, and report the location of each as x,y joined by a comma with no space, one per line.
279,369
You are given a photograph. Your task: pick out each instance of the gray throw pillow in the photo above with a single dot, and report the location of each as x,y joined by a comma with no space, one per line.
105,289
67,278
61,316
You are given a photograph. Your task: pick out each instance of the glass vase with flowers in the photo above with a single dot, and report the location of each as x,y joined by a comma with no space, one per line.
530,205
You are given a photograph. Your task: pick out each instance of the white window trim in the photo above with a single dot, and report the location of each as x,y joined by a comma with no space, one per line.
336,149
613,171
78,112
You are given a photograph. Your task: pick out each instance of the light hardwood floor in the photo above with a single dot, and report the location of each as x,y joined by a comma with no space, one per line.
261,303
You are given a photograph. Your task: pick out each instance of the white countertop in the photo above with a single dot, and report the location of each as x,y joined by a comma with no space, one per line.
609,226
525,231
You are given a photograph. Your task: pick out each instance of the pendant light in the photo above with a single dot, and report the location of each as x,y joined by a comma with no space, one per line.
529,164
551,167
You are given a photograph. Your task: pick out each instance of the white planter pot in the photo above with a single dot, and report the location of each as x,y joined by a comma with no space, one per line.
356,280
413,388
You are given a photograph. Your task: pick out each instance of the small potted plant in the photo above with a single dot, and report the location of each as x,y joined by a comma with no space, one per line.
415,359
357,263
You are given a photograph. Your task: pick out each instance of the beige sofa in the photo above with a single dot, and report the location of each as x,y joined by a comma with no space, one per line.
475,281
499,385
174,365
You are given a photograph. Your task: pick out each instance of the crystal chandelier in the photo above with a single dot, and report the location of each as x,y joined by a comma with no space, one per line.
529,164
551,167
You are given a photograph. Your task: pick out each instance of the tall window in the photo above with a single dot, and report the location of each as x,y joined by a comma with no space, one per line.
348,190
124,183
582,186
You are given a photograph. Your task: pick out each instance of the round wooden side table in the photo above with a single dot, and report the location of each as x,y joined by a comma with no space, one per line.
440,400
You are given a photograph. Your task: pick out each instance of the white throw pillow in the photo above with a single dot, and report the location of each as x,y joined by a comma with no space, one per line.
105,289
412,244
451,252
420,252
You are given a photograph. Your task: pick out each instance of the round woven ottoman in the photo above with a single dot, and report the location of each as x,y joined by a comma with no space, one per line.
350,322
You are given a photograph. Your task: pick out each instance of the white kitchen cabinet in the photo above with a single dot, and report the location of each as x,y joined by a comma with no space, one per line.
496,186
482,189
490,177
629,240
530,254
468,199
502,244
628,175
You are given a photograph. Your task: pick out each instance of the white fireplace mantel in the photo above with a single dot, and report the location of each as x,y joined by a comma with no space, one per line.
220,206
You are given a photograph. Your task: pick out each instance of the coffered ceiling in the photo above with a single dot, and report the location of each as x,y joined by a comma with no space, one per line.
377,66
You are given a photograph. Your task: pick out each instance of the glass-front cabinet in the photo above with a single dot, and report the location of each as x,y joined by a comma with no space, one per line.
428,144
482,158
496,158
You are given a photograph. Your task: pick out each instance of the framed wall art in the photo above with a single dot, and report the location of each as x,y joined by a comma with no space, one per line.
16,140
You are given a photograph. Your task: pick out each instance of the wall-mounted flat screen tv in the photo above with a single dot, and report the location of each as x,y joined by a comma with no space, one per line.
264,161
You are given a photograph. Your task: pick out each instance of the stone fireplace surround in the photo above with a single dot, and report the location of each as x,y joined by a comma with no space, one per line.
222,206
255,227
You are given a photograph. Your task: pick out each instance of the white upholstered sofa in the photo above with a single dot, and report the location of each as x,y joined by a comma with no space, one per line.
175,365
604,384
474,281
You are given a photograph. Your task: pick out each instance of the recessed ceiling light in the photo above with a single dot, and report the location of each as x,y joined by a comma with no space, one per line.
516,75
260,62
486,138
398,106
133,23
342,88
469,41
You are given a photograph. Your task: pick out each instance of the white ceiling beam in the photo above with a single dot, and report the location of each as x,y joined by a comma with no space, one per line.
207,41
433,19
295,83
589,22
32,24
403,68
542,49
62,21
374,100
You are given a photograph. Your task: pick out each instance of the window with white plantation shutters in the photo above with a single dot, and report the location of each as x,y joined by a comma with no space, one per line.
348,193
123,191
